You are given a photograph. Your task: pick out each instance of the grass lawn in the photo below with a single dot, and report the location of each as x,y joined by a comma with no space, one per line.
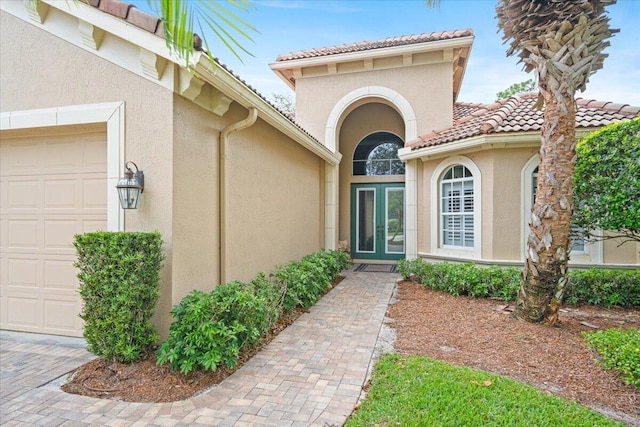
418,391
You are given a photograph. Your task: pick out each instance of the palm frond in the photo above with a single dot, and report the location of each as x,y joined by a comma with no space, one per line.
181,17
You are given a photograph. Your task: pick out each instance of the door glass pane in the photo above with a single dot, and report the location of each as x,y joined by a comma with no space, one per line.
394,227
366,211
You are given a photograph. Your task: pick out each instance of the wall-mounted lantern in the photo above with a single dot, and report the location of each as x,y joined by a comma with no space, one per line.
130,186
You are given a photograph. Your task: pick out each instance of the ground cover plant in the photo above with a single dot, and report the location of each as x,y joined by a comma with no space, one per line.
419,391
620,350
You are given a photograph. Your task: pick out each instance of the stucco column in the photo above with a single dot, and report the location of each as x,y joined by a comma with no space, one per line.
411,209
331,206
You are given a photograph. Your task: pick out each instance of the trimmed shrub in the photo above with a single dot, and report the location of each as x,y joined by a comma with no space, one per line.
604,287
305,280
463,279
595,286
620,350
213,328
119,285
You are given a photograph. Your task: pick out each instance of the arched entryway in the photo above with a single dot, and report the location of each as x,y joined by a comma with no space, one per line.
377,207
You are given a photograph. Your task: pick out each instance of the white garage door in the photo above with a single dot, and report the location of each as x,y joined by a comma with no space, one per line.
51,187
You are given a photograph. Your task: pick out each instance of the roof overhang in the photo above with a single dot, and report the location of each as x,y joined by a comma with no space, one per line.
480,143
227,83
472,144
455,50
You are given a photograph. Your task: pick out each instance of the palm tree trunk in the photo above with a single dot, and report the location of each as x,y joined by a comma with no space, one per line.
545,273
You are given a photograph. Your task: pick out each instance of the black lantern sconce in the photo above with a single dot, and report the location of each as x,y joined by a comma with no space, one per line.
130,186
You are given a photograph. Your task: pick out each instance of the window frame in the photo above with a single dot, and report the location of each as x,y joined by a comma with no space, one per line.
384,137
437,224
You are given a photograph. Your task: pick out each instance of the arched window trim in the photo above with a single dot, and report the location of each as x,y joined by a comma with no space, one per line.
437,246
593,251
400,144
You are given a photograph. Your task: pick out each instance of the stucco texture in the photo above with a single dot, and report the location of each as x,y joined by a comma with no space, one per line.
317,96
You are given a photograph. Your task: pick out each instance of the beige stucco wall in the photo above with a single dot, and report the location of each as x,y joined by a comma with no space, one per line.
362,121
627,253
427,88
196,251
42,71
502,208
274,199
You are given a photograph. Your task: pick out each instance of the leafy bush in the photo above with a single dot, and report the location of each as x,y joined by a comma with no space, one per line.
212,328
620,350
594,286
604,287
305,280
463,279
607,180
119,276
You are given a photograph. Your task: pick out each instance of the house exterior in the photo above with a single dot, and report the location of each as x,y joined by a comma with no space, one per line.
235,186
467,172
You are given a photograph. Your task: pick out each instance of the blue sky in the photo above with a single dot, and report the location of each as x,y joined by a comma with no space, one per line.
291,25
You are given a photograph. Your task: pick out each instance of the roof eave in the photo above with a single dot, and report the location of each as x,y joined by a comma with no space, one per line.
474,143
282,68
228,84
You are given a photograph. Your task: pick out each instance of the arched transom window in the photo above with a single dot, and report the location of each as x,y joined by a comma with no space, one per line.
457,207
377,154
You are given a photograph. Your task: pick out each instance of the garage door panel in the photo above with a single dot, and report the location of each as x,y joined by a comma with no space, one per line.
23,194
23,272
59,156
58,234
22,234
24,311
90,226
21,157
94,194
94,156
53,187
60,274
61,315
60,194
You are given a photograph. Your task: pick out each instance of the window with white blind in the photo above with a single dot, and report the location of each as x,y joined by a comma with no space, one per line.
457,208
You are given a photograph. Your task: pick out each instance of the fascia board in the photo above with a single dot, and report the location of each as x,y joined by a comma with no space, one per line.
374,53
113,25
480,142
224,81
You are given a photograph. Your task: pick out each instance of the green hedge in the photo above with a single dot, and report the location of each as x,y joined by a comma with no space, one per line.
212,328
305,280
119,274
604,287
595,286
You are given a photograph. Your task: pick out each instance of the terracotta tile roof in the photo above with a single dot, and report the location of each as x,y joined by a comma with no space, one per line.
378,44
517,114
153,24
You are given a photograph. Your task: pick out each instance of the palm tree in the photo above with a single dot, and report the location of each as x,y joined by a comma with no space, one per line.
563,42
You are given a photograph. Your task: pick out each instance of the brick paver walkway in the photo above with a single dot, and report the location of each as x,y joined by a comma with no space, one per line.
310,375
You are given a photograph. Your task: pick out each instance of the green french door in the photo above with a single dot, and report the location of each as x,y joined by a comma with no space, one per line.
377,221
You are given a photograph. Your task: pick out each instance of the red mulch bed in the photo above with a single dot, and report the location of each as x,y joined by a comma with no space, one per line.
482,333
